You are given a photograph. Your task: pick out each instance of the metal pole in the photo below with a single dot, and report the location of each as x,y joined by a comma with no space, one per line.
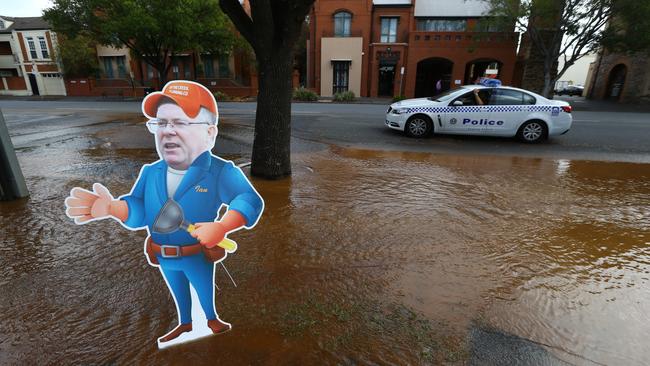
401,77
12,181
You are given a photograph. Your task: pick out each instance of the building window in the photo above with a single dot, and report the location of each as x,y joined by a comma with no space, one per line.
341,76
5,48
510,97
44,52
441,25
32,47
224,66
108,67
186,68
208,66
489,25
388,30
121,68
2,24
114,67
149,72
342,21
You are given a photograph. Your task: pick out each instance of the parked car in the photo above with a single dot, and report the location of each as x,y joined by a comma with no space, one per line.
571,90
493,111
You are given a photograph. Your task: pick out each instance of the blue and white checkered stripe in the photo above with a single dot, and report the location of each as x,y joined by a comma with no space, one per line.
481,109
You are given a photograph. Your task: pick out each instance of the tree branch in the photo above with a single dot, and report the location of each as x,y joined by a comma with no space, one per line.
242,21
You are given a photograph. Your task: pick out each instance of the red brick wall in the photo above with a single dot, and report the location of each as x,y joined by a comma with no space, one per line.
16,83
366,22
22,45
499,46
398,50
89,87
322,17
48,39
110,87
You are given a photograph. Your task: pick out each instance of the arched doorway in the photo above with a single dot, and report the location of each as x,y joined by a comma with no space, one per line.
430,71
616,82
483,67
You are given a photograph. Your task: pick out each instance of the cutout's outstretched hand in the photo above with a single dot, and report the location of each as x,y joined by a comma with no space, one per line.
83,205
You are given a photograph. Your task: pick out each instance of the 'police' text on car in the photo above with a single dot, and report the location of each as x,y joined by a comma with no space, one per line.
481,110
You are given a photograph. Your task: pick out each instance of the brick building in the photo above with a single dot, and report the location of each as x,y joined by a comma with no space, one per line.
27,64
364,45
122,75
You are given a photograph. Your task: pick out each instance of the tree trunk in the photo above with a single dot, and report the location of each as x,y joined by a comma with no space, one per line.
546,92
162,76
272,144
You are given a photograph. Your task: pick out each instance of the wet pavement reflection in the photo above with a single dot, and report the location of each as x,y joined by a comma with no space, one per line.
362,257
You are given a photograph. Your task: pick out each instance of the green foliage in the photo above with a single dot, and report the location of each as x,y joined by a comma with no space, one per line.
397,98
77,55
630,29
221,96
346,96
565,30
304,94
152,29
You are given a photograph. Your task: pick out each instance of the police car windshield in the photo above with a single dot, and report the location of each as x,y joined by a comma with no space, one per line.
444,96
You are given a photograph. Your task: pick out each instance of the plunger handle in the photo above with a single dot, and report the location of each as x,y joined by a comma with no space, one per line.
227,244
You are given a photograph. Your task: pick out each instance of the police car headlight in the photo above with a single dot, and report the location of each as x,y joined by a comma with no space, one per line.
399,110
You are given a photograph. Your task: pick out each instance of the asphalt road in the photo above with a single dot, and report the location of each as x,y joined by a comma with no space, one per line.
596,135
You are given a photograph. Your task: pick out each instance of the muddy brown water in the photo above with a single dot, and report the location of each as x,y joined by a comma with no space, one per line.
362,257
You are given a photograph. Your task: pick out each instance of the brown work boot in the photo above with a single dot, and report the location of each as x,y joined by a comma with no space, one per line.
218,326
180,329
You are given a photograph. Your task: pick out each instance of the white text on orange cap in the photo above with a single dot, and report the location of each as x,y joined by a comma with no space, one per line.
179,89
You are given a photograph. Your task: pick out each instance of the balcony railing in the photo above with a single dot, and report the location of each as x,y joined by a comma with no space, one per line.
463,39
400,38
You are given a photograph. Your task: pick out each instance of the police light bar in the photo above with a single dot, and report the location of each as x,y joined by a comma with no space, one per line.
489,82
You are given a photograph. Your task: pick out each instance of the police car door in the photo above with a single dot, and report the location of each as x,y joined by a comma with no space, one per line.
509,109
467,117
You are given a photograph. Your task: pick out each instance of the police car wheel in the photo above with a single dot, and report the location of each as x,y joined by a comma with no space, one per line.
532,131
418,126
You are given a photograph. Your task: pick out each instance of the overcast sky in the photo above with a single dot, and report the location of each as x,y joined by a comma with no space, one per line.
23,8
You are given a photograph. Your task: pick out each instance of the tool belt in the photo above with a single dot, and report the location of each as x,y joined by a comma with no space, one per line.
173,251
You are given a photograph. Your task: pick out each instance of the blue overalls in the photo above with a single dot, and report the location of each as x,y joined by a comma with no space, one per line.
209,183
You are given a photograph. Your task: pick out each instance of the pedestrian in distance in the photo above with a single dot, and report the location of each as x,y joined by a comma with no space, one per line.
438,86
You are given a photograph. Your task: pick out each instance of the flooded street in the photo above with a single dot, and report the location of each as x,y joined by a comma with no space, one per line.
361,257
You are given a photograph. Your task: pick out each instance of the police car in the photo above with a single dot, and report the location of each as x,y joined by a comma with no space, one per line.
487,109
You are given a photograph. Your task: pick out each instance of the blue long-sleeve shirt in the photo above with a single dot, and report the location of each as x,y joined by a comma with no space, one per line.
209,183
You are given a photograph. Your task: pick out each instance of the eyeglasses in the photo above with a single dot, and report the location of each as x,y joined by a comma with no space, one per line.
178,124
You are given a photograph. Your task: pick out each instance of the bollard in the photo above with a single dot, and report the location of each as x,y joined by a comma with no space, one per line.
12,182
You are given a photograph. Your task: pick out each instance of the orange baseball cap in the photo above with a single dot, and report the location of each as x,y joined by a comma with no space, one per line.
190,96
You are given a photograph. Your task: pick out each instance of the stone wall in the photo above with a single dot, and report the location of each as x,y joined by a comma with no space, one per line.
636,87
532,76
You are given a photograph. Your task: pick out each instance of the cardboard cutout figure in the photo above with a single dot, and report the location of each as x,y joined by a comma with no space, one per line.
177,200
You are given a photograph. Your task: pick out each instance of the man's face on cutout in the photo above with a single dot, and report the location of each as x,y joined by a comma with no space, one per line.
179,146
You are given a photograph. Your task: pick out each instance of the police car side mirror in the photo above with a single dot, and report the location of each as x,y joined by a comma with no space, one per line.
457,103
